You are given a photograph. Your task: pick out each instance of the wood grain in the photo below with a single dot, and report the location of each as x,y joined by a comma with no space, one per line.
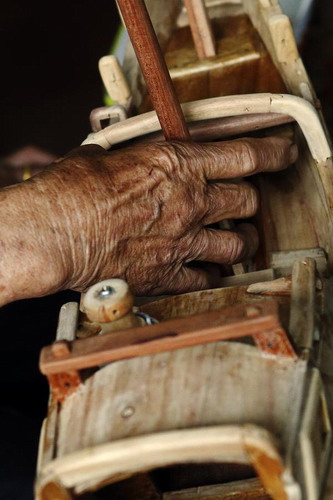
238,444
248,489
260,320
302,311
201,29
154,69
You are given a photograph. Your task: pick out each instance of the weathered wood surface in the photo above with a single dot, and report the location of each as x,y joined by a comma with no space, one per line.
67,325
182,389
240,444
291,202
180,306
249,489
201,28
280,286
276,32
241,65
282,262
302,310
261,321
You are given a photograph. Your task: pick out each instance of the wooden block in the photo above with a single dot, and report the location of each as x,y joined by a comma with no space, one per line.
280,286
67,323
241,65
302,311
283,261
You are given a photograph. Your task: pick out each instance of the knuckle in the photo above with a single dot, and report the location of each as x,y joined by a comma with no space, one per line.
249,157
236,249
251,196
168,155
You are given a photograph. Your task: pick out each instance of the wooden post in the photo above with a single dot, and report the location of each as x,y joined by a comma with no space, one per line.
154,69
201,28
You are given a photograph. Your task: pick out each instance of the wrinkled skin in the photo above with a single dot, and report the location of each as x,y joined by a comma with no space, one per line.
137,213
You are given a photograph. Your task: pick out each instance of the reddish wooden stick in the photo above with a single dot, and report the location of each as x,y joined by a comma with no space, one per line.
201,28
154,69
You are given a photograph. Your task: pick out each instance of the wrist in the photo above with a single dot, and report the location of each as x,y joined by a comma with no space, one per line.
31,264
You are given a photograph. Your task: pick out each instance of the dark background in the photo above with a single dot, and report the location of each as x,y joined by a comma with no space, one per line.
49,56
49,84
49,74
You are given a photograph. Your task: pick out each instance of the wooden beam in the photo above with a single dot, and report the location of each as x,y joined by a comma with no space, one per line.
201,28
154,69
246,489
303,298
261,320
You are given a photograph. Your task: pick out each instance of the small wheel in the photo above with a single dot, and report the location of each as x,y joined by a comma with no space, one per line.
108,301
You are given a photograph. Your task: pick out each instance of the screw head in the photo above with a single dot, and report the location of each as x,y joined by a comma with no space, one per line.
105,292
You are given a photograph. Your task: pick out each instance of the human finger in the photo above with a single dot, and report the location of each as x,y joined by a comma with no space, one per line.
190,279
241,157
225,247
231,201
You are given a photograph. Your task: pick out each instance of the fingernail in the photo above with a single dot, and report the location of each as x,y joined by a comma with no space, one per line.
293,153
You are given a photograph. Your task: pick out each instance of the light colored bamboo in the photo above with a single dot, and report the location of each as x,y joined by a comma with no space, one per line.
201,28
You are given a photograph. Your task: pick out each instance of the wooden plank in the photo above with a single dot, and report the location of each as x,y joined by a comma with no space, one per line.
241,65
186,388
257,319
201,28
187,304
283,261
302,311
247,489
67,325
154,69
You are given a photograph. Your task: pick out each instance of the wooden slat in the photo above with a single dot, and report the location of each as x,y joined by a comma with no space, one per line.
201,29
185,388
248,489
175,334
187,304
248,278
302,312
283,262
67,325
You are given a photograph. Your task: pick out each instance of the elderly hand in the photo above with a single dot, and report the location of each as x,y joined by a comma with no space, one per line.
138,213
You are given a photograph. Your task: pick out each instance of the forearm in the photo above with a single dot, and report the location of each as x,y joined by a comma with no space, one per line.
29,260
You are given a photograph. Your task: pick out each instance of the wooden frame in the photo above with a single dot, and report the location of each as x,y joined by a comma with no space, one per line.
240,444
61,361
